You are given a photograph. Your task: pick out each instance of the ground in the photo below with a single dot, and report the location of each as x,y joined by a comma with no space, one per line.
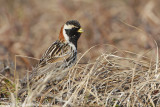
118,53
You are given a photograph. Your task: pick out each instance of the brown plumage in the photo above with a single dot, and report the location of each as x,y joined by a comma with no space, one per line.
58,58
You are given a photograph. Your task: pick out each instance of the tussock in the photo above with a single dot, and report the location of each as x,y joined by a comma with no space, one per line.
112,79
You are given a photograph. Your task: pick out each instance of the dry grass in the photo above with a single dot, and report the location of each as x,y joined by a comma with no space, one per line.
110,80
124,73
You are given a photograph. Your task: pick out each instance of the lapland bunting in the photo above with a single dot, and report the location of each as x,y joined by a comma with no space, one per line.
57,59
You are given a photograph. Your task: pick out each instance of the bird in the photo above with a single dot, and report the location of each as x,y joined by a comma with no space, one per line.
57,59
65,48
62,54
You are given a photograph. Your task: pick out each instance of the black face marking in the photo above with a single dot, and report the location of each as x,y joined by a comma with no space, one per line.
73,32
73,35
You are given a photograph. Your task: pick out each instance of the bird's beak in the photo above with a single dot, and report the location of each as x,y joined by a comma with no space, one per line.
80,30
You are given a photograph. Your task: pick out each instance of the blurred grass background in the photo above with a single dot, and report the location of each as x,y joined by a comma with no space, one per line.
28,27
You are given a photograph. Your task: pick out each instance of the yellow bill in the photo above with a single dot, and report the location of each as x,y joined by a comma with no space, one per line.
80,30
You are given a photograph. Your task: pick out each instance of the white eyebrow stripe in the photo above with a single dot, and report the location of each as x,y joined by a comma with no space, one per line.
69,26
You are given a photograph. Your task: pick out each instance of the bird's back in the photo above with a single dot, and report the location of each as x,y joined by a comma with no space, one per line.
55,61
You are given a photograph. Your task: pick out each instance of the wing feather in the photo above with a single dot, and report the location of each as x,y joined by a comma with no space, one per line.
55,53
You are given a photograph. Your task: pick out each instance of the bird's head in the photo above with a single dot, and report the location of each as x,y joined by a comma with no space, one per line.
70,32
